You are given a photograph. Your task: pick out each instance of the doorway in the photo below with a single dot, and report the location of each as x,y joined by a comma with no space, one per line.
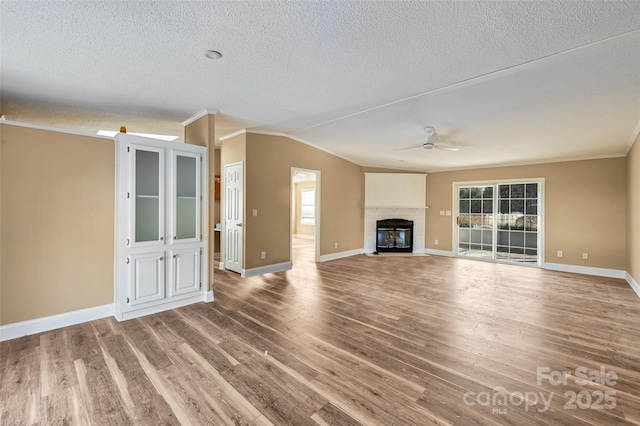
233,214
500,221
305,214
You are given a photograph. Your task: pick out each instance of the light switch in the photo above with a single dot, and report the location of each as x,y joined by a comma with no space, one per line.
255,212
441,212
448,212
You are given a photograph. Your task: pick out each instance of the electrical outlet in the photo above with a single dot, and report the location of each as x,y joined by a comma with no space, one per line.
585,256
448,212
441,212
559,253
335,245
263,255
436,242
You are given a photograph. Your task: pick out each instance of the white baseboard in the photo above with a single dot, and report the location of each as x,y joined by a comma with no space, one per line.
600,272
340,255
208,296
439,252
268,269
633,283
221,266
186,300
304,237
39,325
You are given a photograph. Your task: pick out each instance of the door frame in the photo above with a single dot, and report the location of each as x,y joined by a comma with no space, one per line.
455,191
223,217
318,201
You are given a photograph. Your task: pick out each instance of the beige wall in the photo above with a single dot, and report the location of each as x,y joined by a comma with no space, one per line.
633,211
202,132
268,162
299,228
57,217
585,208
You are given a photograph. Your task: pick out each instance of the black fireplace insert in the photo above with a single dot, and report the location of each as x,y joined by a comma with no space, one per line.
394,235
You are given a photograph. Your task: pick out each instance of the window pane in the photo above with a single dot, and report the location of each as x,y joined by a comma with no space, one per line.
517,191
464,193
532,223
504,191
487,192
465,205
476,206
308,197
532,190
517,206
532,206
516,239
504,206
308,212
476,192
487,206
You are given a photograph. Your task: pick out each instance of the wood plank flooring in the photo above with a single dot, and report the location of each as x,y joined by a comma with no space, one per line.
357,341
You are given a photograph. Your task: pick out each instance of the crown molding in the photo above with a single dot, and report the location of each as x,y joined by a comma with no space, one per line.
232,135
197,116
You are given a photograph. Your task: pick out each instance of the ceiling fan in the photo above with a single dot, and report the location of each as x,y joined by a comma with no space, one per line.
431,142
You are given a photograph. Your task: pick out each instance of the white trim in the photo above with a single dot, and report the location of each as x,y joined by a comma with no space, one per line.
298,139
54,129
440,252
39,325
634,137
633,283
208,297
197,116
268,269
231,135
340,255
200,296
587,270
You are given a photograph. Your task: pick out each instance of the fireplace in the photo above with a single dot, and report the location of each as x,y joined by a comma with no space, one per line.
394,235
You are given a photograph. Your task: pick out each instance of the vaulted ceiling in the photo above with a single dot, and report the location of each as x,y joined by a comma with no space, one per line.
507,82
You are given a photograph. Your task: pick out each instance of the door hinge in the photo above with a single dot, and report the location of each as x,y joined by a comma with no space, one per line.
127,300
127,260
128,149
200,286
201,198
128,195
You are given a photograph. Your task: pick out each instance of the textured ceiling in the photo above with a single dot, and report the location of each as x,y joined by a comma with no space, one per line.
508,82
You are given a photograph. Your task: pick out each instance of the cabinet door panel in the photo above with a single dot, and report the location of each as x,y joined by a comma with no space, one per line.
147,277
186,193
185,271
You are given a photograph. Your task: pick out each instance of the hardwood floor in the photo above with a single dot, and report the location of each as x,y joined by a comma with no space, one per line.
362,340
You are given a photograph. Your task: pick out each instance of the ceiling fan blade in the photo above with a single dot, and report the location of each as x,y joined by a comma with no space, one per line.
447,147
409,147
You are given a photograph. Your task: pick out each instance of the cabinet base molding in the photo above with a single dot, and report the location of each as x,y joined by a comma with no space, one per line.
172,304
40,325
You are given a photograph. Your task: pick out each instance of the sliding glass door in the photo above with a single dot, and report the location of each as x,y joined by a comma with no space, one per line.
499,221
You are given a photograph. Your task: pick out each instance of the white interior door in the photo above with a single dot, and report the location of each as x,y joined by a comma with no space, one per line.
233,202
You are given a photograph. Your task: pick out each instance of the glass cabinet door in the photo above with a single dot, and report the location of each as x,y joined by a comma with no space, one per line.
148,195
187,196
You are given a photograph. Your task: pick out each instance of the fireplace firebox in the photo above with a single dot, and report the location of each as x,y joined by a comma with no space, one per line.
394,235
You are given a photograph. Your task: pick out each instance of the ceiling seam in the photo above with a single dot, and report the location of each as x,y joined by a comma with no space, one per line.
490,76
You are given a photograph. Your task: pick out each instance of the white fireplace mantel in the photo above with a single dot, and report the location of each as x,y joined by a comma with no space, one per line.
395,196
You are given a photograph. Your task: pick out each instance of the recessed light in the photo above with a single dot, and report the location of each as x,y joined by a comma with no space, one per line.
212,54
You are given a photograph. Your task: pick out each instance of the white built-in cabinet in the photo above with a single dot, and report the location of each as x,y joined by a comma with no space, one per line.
160,248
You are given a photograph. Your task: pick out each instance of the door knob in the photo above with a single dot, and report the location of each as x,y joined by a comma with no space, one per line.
238,224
